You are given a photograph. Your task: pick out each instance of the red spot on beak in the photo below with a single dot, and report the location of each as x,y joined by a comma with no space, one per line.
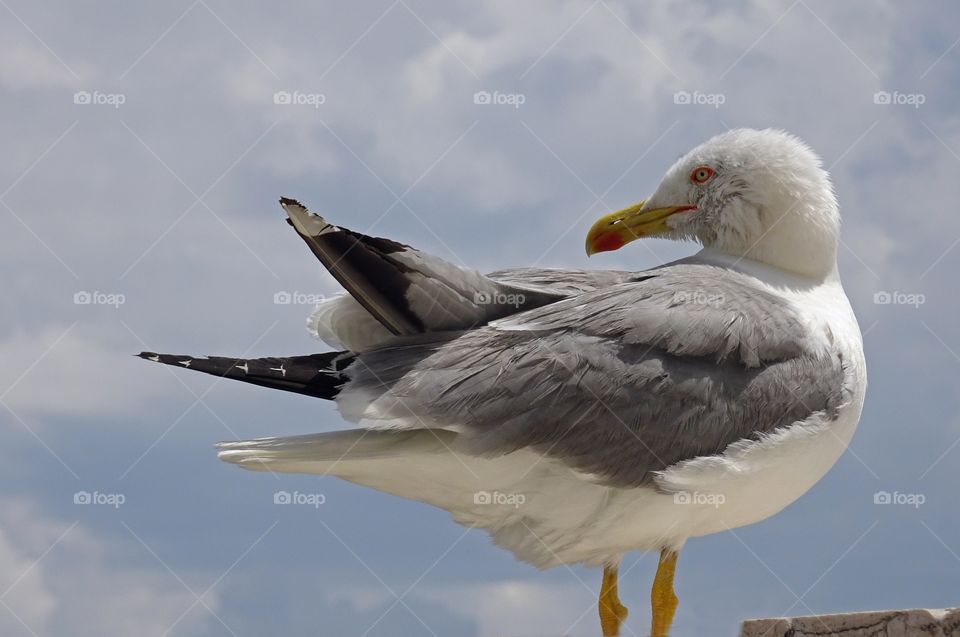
608,242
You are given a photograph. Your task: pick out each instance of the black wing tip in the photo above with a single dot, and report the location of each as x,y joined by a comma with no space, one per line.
318,375
287,201
182,360
157,358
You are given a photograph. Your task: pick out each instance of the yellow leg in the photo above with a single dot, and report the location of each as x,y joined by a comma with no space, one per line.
612,612
662,598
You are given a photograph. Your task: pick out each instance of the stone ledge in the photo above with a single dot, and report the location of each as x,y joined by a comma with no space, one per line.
889,623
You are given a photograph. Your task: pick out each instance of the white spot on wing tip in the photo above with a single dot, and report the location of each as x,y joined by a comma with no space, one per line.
305,221
186,363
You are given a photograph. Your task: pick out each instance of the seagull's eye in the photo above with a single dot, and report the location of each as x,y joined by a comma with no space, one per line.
701,174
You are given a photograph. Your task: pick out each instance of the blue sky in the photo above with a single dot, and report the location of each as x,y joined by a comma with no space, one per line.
158,200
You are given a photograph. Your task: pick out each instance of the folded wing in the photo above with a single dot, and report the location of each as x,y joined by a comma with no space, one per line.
619,383
406,290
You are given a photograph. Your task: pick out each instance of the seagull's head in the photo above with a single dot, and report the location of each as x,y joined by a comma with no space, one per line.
756,194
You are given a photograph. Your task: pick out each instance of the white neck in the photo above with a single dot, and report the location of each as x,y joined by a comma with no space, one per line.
800,237
763,269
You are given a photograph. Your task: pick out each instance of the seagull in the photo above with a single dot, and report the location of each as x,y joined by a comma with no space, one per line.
577,415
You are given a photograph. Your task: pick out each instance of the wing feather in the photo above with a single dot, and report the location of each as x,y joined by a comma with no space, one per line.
407,290
621,382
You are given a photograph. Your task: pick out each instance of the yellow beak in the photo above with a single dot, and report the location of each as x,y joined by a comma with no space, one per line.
617,229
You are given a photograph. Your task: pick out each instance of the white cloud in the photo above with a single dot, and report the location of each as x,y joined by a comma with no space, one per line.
26,67
80,587
499,607
519,607
59,370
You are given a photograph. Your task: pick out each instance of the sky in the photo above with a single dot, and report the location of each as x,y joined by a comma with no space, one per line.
144,148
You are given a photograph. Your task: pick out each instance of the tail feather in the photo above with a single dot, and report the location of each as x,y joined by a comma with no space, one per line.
316,453
319,375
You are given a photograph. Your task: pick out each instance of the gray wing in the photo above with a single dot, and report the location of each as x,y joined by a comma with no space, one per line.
406,290
395,289
561,280
620,382
453,293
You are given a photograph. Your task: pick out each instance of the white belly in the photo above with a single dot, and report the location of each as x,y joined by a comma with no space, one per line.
747,484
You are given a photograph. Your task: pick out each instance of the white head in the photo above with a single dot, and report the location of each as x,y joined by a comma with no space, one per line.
761,195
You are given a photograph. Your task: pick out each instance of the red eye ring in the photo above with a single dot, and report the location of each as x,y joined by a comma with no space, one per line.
701,174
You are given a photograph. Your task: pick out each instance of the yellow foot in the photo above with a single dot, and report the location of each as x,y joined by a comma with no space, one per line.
663,600
612,612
